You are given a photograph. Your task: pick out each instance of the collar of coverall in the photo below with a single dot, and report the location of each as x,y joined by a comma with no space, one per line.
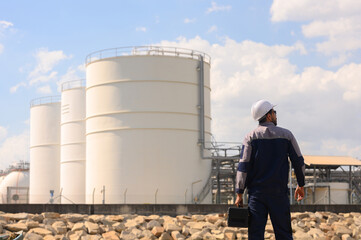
267,124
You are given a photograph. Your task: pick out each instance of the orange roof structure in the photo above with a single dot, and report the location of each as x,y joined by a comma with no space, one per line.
331,161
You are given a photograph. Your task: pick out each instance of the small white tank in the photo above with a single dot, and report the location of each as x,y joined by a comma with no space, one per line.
44,149
14,187
329,192
142,126
72,163
2,178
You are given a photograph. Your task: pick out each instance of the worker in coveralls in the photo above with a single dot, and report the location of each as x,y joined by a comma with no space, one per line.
263,169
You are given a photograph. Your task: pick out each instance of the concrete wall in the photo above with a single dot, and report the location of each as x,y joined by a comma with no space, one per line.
159,209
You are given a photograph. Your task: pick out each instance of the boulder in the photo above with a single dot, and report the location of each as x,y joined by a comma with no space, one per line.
299,215
37,217
49,221
49,237
229,235
59,227
52,215
140,219
325,227
157,231
92,228
114,218
78,226
185,231
151,217
199,218
112,235
209,236
91,237
51,229
40,231
73,217
346,237
316,233
131,223
128,235
341,230
177,235
165,236
96,218
15,227
32,236
300,235
212,218
219,236
170,227
16,216
76,235
198,235
153,223
31,224
137,233
119,227
148,235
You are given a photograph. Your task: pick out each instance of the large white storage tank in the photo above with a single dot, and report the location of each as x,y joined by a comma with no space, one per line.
72,162
142,127
44,149
15,187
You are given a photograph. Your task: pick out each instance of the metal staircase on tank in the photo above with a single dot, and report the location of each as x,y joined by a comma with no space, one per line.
221,182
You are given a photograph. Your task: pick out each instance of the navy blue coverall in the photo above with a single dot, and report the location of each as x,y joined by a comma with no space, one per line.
263,169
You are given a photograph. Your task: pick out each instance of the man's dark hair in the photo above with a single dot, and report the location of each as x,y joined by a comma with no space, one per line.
264,118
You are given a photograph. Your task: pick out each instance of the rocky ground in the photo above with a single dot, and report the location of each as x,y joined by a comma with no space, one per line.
49,226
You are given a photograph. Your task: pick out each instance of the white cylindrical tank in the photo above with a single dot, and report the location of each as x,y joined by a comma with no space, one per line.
72,162
142,126
14,187
329,193
2,178
44,149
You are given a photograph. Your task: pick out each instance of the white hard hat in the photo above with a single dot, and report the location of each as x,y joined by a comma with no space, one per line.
260,108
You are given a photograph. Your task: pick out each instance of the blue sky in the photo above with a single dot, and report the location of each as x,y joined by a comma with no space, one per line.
302,55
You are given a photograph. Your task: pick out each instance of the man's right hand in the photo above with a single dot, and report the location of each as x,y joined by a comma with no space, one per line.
299,193
239,200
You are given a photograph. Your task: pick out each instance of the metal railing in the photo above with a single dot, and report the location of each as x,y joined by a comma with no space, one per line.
45,100
73,84
146,50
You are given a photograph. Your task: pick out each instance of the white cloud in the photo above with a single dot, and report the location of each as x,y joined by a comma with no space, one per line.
315,103
3,133
46,60
344,147
14,149
5,24
338,60
337,21
42,78
218,8
308,10
141,29
72,74
44,89
44,72
187,20
212,29
15,88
